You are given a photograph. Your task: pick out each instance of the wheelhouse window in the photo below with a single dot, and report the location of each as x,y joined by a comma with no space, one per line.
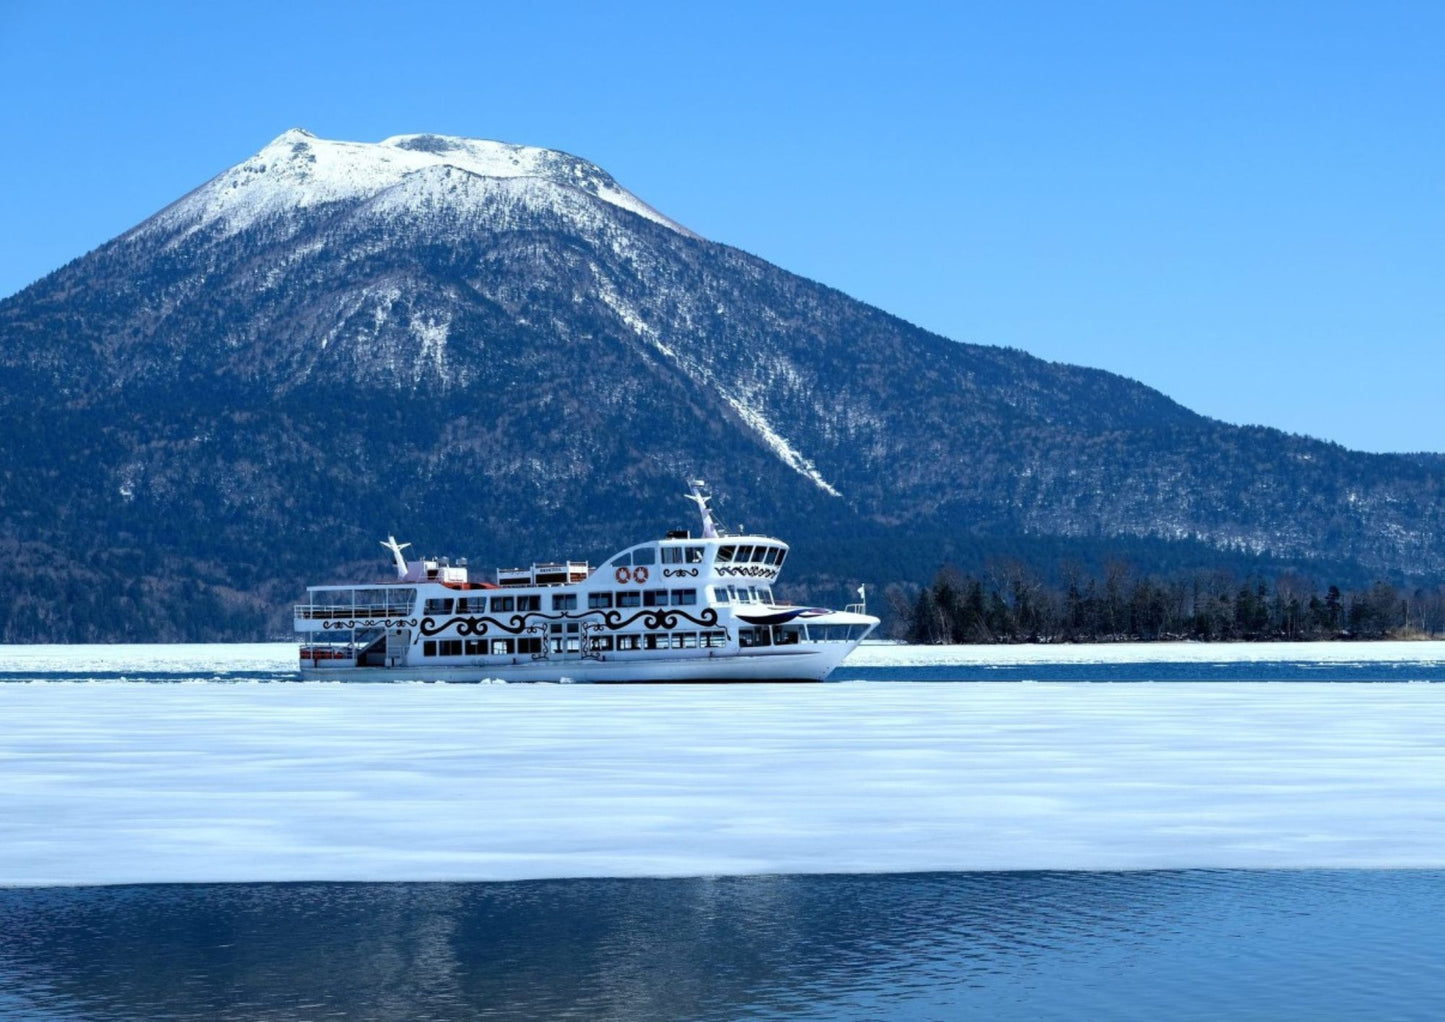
726,553
672,555
745,553
693,554
645,555
622,560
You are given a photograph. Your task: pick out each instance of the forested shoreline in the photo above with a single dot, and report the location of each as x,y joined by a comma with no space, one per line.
1012,604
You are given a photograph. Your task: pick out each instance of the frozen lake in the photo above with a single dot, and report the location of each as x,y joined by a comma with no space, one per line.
229,776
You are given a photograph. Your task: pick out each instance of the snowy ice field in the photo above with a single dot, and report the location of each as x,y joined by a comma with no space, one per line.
116,782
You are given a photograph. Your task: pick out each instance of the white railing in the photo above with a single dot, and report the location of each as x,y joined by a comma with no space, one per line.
318,611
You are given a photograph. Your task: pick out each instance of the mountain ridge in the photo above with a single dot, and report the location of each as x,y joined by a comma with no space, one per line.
513,359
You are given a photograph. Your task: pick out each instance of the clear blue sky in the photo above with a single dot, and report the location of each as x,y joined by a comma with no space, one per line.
1241,204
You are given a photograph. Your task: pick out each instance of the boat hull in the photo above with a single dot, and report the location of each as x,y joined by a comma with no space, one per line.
813,664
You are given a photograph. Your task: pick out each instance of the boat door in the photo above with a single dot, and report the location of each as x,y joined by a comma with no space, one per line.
564,641
398,642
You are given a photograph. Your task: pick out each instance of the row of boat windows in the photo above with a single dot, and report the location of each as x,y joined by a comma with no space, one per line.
480,647
562,601
571,642
480,604
742,594
785,635
751,554
647,556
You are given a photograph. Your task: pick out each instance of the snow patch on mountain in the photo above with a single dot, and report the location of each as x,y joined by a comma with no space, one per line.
298,171
749,413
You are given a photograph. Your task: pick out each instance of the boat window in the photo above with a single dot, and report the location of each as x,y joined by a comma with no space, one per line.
533,602
630,598
725,553
719,594
438,606
737,597
782,556
532,645
501,603
654,598
714,640
689,640
599,601
645,555
429,648
501,647
449,647
475,647
653,640
787,635
754,637
770,555
672,555
745,553
564,601
694,555
622,560
684,597
625,642
600,643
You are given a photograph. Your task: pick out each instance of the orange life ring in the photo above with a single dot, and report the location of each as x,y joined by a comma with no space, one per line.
640,574
623,575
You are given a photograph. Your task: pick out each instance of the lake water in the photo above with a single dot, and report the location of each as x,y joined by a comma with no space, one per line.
1016,846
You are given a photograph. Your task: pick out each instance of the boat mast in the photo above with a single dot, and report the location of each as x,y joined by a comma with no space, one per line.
709,529
396,554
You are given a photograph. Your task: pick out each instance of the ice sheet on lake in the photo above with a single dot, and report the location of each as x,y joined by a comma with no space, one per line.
113,782
204,660
890,655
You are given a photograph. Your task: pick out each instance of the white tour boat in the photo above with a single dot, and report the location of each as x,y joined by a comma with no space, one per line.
682,608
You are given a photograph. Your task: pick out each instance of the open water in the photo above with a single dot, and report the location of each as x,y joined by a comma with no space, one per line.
1265,943
1171,945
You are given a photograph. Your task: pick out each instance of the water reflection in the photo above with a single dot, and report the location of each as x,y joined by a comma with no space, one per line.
1204,944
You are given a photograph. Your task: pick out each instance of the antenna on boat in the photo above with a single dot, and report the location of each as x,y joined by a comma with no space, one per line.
709,530
396,549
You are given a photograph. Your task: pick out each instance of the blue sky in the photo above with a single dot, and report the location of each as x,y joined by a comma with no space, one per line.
1242,205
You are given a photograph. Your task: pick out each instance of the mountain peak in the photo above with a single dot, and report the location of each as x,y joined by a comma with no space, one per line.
297,170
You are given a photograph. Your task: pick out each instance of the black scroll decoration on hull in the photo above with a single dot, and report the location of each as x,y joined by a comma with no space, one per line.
658,619
751,571
369,623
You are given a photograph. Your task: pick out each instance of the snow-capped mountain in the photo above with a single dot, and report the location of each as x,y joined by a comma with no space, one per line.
499,351
299,172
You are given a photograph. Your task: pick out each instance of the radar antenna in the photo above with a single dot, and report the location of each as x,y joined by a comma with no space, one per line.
698,497
396,554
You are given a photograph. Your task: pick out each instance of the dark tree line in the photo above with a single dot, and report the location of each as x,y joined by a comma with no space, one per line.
1012,603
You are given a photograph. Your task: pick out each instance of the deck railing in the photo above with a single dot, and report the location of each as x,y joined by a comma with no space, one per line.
319,612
